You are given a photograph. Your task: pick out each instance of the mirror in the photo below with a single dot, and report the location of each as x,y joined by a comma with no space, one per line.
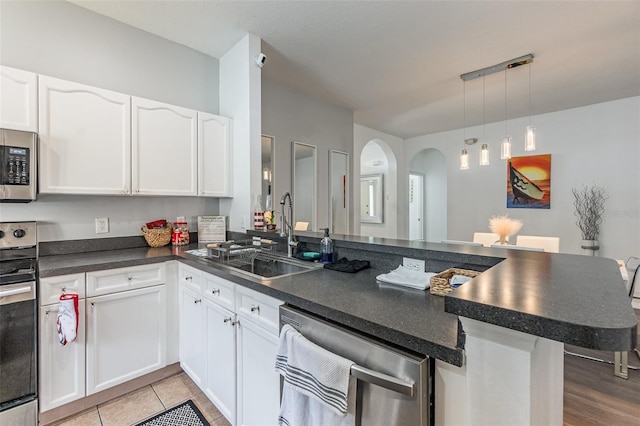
304,186
267,172
338,192
371,201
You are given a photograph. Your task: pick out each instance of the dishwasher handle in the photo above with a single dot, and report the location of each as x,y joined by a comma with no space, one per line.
384,380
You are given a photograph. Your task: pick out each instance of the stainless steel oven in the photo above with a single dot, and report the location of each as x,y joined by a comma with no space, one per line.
18,323
18,166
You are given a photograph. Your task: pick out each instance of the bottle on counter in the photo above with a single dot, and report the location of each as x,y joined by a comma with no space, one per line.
326,248
258,214
180,235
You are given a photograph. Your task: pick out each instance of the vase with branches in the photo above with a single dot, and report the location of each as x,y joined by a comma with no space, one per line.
589,204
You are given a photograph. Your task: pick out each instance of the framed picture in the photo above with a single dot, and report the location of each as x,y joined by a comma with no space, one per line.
529,182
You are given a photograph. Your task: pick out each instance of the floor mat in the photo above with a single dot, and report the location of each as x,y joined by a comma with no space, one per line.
185,414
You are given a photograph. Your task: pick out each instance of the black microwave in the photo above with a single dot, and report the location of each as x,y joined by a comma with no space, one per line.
18,166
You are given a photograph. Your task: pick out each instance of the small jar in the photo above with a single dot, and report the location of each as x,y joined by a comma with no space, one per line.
180,236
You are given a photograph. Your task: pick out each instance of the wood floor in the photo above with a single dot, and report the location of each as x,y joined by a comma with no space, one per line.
594,396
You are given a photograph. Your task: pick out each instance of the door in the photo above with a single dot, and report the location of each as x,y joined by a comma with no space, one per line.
220,338
131,322
19,100
416,206
164,149
85,139
258,382
192,335
215,163
62,368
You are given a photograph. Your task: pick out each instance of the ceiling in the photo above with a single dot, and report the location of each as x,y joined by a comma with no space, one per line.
397,64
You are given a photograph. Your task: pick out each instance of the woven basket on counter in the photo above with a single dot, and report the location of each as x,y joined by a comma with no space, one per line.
439,284
158,237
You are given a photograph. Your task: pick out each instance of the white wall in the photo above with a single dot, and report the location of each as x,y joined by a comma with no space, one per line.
289,115
240,99
65,41
395,209
597,144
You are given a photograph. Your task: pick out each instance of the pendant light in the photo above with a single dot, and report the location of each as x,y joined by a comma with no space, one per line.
505,143
530,136
484,151
464,154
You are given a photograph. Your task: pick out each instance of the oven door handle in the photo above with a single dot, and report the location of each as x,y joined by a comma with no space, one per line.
16,291
384,380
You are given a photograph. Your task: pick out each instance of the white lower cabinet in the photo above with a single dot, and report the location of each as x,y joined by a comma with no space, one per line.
220,337
258,382
228,343
61,368
126,336
121,334
191,334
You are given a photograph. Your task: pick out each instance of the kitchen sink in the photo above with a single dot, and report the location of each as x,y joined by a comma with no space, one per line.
268,265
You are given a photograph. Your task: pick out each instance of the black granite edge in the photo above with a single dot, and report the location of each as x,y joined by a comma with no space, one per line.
598,338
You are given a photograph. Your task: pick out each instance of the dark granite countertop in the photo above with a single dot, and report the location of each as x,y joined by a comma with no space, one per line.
573,299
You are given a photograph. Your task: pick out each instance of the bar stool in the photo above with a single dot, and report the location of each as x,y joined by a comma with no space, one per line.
621,359
486,238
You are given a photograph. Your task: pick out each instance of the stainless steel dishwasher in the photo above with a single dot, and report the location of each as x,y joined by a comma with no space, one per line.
394,387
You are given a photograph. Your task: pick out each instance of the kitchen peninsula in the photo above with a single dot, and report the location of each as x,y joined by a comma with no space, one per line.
506,327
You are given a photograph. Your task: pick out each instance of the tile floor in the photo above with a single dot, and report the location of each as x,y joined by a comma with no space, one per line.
146,402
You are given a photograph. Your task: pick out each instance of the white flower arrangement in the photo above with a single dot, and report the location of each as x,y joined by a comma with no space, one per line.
504,226
269,216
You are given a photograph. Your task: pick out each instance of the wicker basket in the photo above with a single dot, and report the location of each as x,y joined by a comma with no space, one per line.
158,237
440,283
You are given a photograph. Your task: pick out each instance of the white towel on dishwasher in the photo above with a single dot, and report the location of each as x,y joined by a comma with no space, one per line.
318,387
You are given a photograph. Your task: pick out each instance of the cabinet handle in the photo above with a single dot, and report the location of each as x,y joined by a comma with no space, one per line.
215,291
47,312
64,289
129,278
188,278
197,301
255,308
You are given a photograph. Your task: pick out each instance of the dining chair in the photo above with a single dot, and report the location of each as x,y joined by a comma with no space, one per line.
486,238
461,243
621,359
516,247
549,244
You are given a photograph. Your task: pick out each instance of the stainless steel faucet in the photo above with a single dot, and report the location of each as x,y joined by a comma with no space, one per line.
286,227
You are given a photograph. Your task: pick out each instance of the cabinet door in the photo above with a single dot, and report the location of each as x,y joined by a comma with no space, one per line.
192,335
215,163
220,332
258,382
164,149
126,336
85,139
61,368
18,100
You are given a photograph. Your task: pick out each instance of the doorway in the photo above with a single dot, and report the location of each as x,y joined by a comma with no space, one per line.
416,206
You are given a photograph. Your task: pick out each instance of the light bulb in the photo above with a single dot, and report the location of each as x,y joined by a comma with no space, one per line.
530,139
505,147
464,160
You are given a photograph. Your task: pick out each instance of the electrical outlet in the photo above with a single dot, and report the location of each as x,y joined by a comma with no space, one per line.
413,264
102,225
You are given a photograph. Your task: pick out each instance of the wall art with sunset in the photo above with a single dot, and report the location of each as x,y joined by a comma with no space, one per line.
529,182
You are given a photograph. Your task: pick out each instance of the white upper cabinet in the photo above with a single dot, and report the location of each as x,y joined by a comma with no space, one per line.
164,149
18,99
85,139
214,156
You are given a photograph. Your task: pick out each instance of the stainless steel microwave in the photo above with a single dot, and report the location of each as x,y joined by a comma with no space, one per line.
18,166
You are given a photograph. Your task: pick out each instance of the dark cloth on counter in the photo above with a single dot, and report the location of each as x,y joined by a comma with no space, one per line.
345,265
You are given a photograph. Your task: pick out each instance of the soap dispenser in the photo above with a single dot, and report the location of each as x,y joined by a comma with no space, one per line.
326,248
